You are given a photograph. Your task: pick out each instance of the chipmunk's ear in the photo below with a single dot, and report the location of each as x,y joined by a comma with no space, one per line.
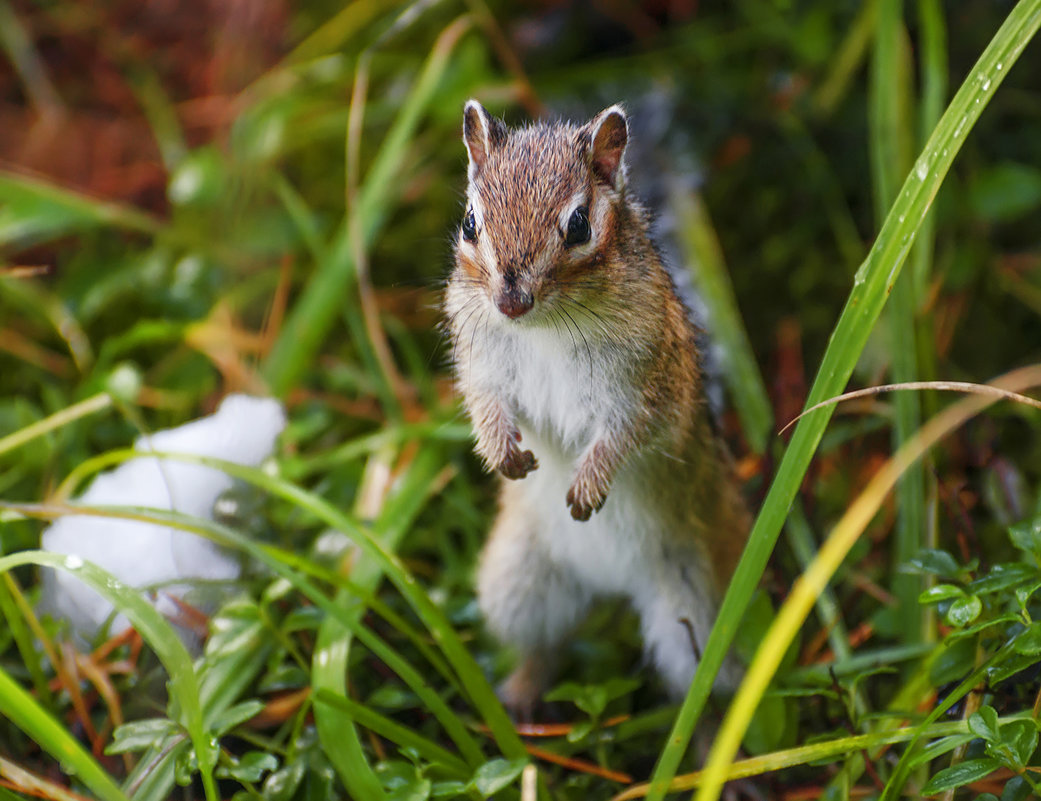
608,135
482,134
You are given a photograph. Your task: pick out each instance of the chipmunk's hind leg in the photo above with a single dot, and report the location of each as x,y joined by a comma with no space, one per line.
676,616
529,602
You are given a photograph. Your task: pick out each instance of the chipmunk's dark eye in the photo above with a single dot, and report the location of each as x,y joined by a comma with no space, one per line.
578,227
470,226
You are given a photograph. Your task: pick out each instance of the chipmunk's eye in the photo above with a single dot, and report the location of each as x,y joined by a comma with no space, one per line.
578,227
470,226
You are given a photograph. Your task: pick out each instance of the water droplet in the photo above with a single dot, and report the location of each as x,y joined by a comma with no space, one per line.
985,85
998,66
921,169
73,562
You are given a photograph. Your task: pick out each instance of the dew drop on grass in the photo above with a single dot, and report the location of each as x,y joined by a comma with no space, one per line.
921,169
73,562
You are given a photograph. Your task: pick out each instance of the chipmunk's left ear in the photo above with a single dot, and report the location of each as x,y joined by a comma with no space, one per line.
608,136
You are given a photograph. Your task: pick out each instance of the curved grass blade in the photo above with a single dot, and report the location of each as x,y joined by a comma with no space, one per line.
816,753
23,711
159,635
395,732
872,283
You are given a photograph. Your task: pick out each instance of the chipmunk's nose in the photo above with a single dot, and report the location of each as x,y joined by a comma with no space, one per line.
514,303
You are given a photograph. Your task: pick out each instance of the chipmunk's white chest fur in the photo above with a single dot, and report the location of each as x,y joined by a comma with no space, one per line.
564,393
561,382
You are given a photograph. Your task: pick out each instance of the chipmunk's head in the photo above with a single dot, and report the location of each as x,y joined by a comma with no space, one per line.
543,206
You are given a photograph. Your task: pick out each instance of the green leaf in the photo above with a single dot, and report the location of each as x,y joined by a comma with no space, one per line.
497,774
1016,789
963,773
941,592
140,734
593,698
1028,642
955,661
1021,737
768,728
280,785
1023,594
1001,620
580,730
233,716
1010,667
1003,577
964,610
984,723
251,767
1026,536
935,562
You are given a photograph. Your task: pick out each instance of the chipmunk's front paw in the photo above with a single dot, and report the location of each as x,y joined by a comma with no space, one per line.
517,463
585,497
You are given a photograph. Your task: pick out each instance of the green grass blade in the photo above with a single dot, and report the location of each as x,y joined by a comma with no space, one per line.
159,635
890,150
32,210
23,711
91,405
871,286
32,657
395,732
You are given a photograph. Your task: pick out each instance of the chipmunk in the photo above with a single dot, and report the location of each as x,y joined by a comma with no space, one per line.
577,365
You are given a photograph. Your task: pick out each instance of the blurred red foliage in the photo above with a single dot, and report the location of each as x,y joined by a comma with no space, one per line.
69,110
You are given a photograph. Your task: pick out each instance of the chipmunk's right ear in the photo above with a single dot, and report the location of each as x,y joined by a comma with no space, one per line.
482,134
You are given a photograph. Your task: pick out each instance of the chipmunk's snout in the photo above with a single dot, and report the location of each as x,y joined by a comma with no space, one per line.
514,302
514,298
